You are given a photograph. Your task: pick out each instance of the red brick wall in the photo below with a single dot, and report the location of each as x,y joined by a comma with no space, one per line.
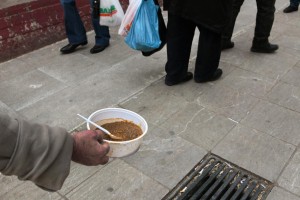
29,26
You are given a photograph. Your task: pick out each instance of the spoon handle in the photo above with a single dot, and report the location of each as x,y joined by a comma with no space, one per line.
89,121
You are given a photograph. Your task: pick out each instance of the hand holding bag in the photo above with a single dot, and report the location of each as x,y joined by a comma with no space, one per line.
144,34
111,13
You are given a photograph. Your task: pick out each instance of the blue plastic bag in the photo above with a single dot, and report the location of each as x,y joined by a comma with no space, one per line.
143,34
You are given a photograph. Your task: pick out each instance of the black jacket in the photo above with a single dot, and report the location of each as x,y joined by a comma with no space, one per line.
213,14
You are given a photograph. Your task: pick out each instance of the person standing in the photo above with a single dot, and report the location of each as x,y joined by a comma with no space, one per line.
76,32
294,4
264,23
210,17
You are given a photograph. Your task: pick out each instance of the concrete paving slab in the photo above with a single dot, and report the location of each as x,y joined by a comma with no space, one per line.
285,95
277,121
279,194
27,89
226,101
13,68
165,157
78,174
291,76
290,179
258,152
28,190
248,82
117,181
199,126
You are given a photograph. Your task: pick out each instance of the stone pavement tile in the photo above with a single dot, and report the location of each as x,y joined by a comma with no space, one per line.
27,89
234,56
290,178
156,103
255,151
288,18
278,193
226,101
248,82
5,109
41,57
8,183
71,68
282,27
199,126
118,181
292,77
13,68
78,174
272,66
100,90
26,191
165,157
285,95
275,120
292,42
116,52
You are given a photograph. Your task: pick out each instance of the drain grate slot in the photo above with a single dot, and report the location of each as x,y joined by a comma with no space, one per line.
214,178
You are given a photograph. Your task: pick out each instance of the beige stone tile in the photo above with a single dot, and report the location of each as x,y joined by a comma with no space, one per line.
278,193
275,120
285,95
165,157
292,77
199,126
248,82
232,103
118,181
255,151
27,89
290,179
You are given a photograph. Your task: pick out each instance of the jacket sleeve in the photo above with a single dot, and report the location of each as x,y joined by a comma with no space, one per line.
35,152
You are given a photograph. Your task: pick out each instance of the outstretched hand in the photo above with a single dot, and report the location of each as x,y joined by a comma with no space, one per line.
89,148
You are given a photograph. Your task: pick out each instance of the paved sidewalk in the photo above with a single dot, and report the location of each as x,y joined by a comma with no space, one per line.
250,116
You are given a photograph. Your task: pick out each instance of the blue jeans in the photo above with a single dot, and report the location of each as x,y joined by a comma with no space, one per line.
75,30
295,3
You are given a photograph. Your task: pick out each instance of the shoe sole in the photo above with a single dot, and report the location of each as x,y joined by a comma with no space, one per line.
262,51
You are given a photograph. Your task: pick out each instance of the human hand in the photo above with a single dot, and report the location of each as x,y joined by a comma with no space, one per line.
89,148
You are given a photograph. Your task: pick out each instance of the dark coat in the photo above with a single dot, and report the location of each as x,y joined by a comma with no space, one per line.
213,14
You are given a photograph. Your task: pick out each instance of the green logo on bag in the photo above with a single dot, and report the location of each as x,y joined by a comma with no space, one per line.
108,11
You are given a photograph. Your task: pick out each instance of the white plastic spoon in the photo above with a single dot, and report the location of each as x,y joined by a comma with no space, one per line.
101,128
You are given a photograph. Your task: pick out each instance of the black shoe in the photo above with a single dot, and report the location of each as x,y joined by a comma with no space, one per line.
218,73
188,76
98,48
71,47
264,48
290,9
227,44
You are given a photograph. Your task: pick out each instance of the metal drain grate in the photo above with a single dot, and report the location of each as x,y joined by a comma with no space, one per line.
217,179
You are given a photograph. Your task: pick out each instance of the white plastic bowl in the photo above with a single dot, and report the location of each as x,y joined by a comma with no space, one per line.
120,148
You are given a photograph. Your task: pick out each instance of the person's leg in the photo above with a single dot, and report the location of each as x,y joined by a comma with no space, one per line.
264,23
294,4
102,35
74,27
226,36
208,56
180,33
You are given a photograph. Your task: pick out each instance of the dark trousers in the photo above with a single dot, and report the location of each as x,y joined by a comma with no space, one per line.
75,30
180,34
264,20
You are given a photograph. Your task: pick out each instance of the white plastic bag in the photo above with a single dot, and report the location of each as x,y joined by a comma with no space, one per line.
111,13
129,16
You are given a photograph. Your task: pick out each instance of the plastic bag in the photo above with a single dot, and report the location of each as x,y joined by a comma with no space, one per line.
129,16
111,13
144,34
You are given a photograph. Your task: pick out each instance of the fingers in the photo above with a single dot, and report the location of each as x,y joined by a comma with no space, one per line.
99,137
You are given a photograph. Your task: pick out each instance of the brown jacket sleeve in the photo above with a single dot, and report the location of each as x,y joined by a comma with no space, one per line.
35,152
